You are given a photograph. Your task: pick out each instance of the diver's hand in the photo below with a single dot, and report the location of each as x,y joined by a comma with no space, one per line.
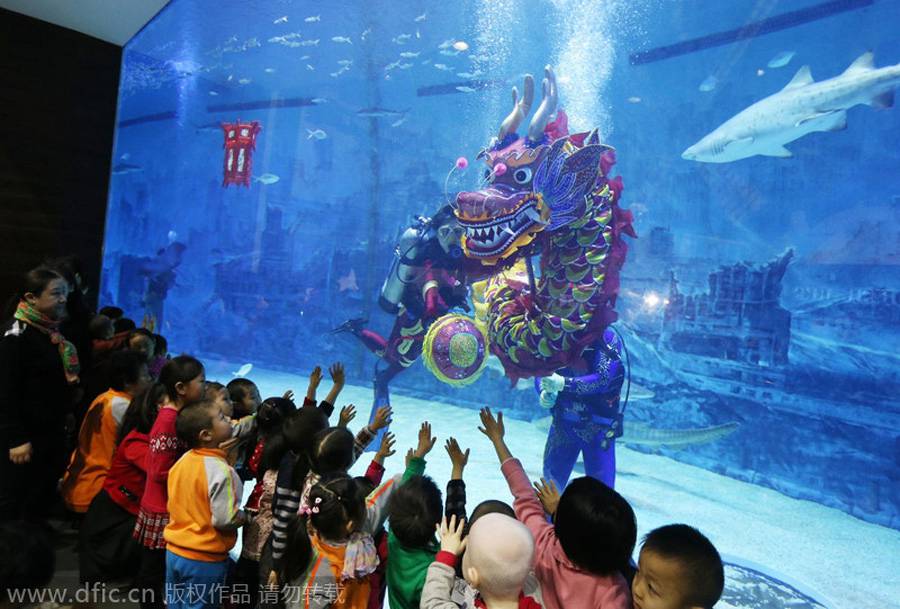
553,383
548,399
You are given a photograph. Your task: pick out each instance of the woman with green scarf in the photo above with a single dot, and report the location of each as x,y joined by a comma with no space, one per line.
38,375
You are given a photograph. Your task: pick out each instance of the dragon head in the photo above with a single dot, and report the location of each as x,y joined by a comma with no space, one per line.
533,184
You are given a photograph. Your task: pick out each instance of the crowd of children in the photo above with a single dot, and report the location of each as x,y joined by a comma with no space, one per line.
156,477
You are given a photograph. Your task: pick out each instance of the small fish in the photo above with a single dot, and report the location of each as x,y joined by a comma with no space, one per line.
376,112
280,20
336,74
466,74
304,58
309,67
425,62
345,62
172,236
449,53
230,77
461,45
123,168
318,100
341,39
405,66
447,43
125,156
782,59
401,39
365,34
318,134
398,123
392,66
760,72
465,89
243,370
310,43
418,34
634,100
409,54
441,66
213,93
244,81
267,178
421,18
269,70
708,84
313,19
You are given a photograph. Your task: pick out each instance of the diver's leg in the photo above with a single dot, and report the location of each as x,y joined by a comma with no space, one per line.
600,463
560,453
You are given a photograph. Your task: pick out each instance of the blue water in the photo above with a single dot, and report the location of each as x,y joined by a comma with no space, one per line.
260,274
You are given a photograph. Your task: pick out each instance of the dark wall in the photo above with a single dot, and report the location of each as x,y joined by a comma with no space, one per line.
58,93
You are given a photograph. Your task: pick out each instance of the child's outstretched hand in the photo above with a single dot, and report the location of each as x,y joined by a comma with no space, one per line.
315,377
410,455
337,373
548,494
382,418
289,395
452,535
348,413
386,449
491,427
458,458
426,441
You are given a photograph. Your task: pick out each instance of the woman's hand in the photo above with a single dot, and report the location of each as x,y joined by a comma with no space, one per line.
20,455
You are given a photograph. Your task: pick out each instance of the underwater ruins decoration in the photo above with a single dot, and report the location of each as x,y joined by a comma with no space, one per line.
240,142
548,193
803,106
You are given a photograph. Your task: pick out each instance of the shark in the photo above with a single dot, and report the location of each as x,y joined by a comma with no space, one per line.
803,106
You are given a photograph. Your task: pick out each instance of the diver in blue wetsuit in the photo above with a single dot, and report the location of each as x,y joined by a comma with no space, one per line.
587,418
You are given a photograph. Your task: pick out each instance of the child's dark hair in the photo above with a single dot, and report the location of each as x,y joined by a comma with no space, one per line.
125,369
142,411
364,485
192,420
239,388
99,325
415,508
27,559
270,420
113,313
334,502
700,561
490,506
595,526
123,324
299,433
214,386
333,451
160,344
181,369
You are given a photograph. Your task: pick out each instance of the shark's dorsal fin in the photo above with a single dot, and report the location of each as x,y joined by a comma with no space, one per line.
802,78
863,63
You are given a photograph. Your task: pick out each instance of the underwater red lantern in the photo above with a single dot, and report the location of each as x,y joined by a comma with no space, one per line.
240,142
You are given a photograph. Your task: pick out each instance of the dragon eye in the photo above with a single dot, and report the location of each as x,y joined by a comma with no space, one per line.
522,176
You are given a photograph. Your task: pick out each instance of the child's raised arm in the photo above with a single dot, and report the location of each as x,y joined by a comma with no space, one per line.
455,504
337,382
315,377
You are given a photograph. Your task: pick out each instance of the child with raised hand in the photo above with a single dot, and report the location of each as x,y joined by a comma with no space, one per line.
497,562
578,558
415,512
315,450
336,371
679,568
204,509
336,569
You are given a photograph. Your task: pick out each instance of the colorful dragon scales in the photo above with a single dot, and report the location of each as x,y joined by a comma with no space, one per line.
548,193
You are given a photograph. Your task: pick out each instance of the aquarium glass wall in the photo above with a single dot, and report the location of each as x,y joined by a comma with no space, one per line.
270,157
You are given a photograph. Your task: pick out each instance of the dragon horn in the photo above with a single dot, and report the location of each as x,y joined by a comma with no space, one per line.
520,108
547,107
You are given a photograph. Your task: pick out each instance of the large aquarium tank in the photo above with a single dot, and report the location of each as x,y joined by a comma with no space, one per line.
291,179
